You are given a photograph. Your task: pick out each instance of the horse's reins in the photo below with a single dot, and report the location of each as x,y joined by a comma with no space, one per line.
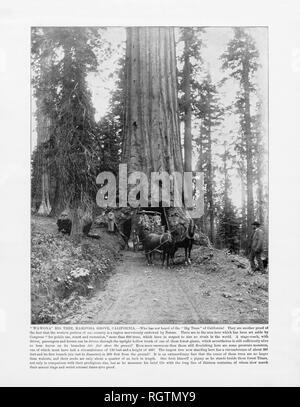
170,231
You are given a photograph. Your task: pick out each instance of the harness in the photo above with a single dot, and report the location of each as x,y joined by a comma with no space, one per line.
161,243
185,235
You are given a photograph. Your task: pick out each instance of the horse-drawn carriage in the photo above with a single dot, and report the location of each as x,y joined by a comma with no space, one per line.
152,236
145,222
161,231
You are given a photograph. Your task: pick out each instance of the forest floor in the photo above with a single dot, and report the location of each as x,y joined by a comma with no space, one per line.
63,274
216,288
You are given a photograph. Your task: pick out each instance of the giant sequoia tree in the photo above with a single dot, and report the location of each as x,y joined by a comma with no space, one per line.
43,73
43,136
151,131
76,127
66,114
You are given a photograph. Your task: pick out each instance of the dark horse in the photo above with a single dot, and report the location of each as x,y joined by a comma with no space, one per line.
183,237
154,242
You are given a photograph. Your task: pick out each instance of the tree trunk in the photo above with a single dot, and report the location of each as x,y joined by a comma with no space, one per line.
43,127
58,205
249,152
45,208
187,105
243,243
260,202
210,178
76,230
200,169
43,135
151,137
226,181
260,188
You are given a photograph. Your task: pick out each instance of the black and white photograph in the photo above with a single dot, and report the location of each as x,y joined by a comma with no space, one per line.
149,175
149,172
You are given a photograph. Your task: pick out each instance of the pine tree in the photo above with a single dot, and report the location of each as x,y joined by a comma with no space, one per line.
210,112
259,161
110,128
191,60
241,61
228,234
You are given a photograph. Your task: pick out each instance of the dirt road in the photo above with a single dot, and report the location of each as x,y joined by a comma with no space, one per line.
141,294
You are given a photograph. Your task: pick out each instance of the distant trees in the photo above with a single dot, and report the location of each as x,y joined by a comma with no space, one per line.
111,126
228,230
210,112
201,108
240,60
188,84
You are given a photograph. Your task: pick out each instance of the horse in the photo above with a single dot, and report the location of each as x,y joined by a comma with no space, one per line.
183,237
153,241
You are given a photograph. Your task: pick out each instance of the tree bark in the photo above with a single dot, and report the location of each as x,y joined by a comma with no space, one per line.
187,105
76,230
260,188
249,152
200,169
151,134
243,235
260,202
43,135
210,178
43,127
